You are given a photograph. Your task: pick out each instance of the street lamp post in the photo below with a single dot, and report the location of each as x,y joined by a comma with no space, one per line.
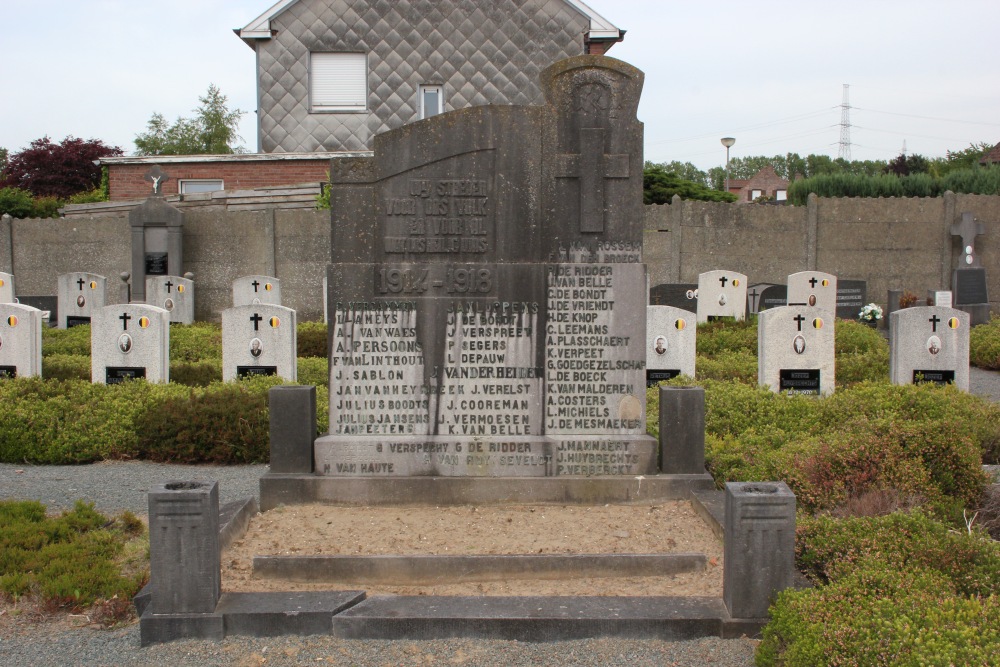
727,142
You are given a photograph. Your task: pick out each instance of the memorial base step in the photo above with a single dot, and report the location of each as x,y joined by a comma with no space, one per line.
300,489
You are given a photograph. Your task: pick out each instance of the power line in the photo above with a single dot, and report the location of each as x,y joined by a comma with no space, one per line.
943,120
746,128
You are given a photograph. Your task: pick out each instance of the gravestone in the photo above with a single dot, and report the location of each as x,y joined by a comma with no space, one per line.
722,294
258,339
929,344
130,341
157,236
678,295
795,350
80,295
813,288
772,296
670,343
174,294
256,289
968,281
941,298
20,341
6,288
755,295
487,298
852,296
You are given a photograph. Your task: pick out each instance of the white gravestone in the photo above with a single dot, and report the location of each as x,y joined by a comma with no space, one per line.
929,344
795,350
722,294
939,298
813,288
670,343
80,295
130,341
256,289
20,341
174,294
6,288
259,339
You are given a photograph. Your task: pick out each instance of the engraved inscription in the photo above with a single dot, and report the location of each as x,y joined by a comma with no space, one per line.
439,216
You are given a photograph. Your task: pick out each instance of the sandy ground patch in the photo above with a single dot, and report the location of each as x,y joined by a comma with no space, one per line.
670,527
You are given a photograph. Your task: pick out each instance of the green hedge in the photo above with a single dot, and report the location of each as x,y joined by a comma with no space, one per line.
984,345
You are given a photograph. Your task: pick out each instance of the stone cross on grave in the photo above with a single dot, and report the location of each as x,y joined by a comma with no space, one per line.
591,166
156,176
968,229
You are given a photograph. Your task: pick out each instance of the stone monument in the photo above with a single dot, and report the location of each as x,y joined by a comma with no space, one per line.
173,294
6,288
487,296
722,294
929,344
813,288
20,341
130,342
969,279
256,289
795,350
258,340
80,295
670,343
157,243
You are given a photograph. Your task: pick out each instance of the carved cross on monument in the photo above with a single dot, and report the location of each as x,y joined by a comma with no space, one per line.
968,229
156,176
591,166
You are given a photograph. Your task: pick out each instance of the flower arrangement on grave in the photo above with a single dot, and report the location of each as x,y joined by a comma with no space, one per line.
870,313
908,299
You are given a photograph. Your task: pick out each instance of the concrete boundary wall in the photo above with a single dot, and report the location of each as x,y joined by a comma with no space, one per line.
891,243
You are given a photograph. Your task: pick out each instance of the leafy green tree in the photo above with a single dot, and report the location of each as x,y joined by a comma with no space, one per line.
213,130
685,170
660,185
967,158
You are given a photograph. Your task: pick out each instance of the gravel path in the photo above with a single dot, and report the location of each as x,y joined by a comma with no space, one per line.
117,486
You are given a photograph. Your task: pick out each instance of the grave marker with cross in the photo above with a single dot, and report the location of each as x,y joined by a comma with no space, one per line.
79,295
796,349
813,288
722,294
157,177
256,290
591,167
174,294
130,342
929,344
259,339
968,229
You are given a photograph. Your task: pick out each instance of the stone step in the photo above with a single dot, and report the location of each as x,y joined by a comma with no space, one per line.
433,570
297,489
537,619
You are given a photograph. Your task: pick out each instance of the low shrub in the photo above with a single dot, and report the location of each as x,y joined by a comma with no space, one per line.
739,365
880,614
16,202
984,345
726,336
200,373
66,367
220,423
195,342
311,339
75,340
313,370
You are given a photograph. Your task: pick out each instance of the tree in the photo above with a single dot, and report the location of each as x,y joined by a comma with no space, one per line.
213,130
904,165
3,161
57,170
967,158
659,186
685,170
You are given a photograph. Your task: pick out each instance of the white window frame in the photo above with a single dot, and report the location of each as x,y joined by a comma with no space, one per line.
780,195
183,183
756,193
338,82
440,93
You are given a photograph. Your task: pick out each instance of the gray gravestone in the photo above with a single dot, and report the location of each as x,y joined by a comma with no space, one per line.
670,343
487,314
851,298
968,281
173,294
795,350
772,296
722,294
6,288
755,295
80,295
929,344
20,341
130,341
157,237
250,290
259,339
813,288
678,295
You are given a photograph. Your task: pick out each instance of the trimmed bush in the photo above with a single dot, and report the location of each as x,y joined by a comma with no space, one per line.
200,373
984,345
195,342
75,340
313,370
311,339
66,367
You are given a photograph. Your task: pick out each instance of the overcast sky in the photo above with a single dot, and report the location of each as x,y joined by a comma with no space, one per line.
770,74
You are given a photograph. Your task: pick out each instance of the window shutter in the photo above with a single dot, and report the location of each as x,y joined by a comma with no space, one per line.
339,81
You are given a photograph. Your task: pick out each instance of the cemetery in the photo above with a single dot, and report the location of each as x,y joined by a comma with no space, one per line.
720,451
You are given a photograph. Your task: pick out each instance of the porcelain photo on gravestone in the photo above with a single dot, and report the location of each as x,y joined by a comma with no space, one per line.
670,343
795,350
929,344
80,295
130,342
174,294
259,339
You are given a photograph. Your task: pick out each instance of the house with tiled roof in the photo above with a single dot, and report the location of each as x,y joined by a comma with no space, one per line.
331,74
992,157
